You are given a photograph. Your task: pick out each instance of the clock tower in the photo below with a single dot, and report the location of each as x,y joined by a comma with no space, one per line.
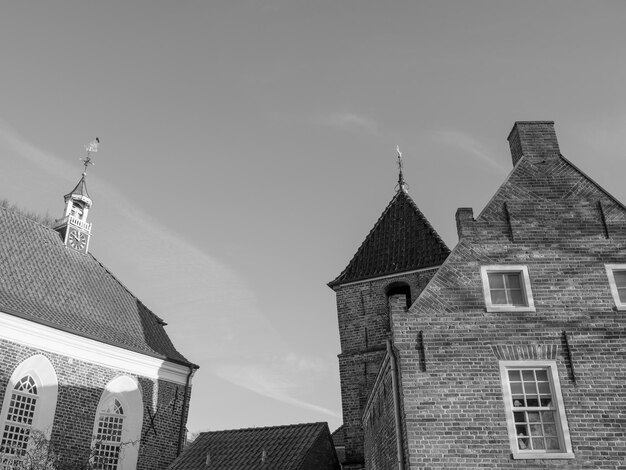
73,226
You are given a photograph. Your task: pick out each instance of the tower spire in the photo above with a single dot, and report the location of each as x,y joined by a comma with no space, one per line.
401,184
73,226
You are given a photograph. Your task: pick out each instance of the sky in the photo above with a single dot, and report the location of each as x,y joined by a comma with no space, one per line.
248,147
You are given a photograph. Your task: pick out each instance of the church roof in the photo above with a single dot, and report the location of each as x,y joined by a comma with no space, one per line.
276,448
44,281
402,240
80,189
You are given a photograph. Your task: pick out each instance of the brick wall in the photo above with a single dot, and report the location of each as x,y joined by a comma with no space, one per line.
80,387
364,326
564,228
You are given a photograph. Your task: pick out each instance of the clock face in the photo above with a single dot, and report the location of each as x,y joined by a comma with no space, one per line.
77,240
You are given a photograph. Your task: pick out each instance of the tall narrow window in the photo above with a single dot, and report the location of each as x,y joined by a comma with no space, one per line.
534,408
18,422
617,283
108,445
117,427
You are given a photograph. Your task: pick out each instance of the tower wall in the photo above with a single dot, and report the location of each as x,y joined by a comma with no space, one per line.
364,326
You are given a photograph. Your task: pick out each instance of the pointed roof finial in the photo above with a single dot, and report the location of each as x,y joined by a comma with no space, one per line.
401,184
91,147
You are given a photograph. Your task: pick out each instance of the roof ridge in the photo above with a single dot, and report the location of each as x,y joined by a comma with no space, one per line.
160,321
16,210
316,423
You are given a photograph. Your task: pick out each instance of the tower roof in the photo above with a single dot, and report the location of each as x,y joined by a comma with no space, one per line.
80,189
402,240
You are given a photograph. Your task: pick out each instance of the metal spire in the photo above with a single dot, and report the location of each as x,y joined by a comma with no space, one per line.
401,184
91,147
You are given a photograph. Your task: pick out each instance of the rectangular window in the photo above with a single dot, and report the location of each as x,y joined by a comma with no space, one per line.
534,410
507,288
617,282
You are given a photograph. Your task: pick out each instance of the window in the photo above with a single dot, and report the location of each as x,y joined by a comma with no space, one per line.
617,283
27,409
534,410
117,427
106,452
18,422
507,288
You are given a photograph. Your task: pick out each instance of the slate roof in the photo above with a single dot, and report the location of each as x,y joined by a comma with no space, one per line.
46,282
402,240
275,448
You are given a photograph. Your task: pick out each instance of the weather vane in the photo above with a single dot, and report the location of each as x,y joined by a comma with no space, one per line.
91,147
401,184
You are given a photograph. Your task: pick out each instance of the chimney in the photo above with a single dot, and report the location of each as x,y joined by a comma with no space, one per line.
533,138
464,221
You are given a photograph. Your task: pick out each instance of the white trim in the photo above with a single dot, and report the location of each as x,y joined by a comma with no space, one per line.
21,331
610,269
564,437
371,279
511,268
41,370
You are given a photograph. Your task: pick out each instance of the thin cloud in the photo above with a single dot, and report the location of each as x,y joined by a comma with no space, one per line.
351,121
169,274
278,378
466,142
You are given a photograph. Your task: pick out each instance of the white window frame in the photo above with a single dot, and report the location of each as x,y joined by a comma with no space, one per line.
525,283
42,371
610,270
566,451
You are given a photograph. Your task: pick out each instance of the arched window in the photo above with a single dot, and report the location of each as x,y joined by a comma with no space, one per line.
106,452
18,422
117,429
28,408
400,288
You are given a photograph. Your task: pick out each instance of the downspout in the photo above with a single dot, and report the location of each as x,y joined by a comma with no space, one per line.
396,403
181,430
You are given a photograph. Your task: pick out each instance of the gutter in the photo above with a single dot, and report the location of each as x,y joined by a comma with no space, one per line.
396,407
181,430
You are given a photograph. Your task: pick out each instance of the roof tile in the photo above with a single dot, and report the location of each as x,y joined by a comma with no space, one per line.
276,448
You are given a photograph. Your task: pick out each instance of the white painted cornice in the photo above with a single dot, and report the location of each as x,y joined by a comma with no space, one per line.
45,338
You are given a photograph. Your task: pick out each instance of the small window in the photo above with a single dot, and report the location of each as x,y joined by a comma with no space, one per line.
507,288
534,410
617,283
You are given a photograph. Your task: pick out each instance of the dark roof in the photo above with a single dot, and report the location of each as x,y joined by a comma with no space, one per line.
402,240
46,282
275,448
80,189
339,436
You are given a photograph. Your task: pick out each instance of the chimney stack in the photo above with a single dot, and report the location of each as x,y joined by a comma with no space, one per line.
464,221
533,138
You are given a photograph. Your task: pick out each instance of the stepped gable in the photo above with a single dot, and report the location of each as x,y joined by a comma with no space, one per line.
402,240
44,281
276,448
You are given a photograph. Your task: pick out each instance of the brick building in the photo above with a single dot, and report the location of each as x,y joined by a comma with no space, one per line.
511,353
88,373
